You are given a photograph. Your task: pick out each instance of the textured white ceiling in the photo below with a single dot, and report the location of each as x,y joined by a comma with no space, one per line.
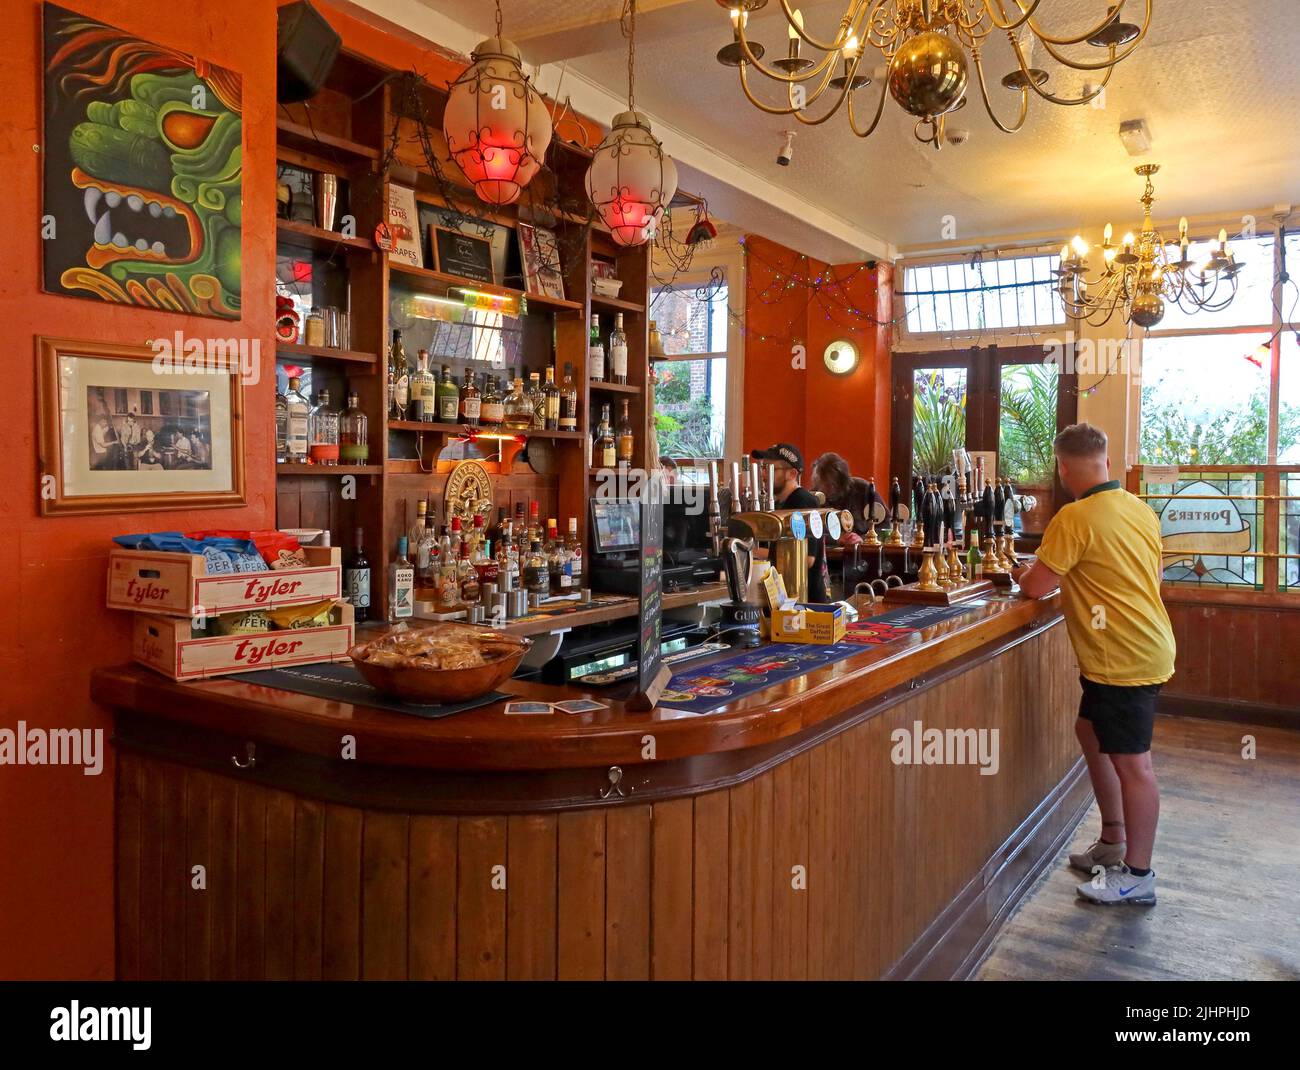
1218,82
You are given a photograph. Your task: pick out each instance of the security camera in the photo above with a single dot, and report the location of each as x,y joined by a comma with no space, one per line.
958,136
787,149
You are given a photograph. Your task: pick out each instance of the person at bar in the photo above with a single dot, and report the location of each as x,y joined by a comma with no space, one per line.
1103,551
787,473
843,490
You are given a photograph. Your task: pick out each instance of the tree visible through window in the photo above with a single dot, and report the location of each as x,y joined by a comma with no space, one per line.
691,382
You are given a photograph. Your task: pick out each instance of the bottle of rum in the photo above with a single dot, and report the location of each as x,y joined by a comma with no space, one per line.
297,421
595,352
356,579
401,585
354,437
574,548
626,439
448,398
605,454
618,351
551,401
538,401
518,409
492,409
568,401
399,379
470,401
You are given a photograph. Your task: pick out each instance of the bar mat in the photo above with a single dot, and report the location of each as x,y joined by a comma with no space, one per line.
342,683
705,689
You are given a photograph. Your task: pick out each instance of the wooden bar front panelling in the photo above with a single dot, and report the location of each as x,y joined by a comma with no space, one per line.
1235,654
830,864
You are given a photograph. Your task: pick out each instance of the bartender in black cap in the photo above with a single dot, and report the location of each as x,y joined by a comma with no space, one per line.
787,470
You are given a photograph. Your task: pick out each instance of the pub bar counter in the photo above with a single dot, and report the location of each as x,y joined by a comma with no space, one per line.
777,837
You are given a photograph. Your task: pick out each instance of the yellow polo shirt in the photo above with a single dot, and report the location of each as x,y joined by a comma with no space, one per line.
1106,549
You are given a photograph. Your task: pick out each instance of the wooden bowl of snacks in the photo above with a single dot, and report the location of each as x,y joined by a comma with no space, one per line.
439,663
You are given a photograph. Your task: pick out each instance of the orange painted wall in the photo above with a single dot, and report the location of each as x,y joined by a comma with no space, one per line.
56,842
809,407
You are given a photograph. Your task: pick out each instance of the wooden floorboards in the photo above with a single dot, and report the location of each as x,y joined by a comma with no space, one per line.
1227,861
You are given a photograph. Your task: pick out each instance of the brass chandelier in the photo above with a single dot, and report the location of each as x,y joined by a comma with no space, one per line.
1139,274
924,44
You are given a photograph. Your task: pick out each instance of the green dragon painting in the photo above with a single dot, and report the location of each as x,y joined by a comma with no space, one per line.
143,171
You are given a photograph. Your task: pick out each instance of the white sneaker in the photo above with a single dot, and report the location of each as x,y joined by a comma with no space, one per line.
1099,854
1119,885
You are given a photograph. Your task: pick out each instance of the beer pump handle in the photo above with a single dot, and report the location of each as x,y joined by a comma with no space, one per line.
771,487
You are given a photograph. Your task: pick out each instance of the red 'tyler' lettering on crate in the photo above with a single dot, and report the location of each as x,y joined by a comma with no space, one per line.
254,651
145,592
258,591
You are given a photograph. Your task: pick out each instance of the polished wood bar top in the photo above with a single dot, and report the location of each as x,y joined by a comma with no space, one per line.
488,739
578,615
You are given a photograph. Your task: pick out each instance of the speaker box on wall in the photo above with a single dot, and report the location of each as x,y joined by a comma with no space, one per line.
306,48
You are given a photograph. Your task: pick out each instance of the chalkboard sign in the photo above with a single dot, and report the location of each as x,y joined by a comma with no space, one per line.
460,254
652,674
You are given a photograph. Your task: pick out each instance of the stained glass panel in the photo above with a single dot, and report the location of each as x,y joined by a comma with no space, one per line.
1210,523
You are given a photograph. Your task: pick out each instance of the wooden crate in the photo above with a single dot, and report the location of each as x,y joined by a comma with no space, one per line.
168,645
179,585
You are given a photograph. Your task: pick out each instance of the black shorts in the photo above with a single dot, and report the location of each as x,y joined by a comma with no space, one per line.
1122,717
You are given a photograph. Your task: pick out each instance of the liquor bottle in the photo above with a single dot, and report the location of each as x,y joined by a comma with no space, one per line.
521,546
423,390
399,378
467,576
974,559
281,427
595,352
356,580
551,401
492,409
297,421
574,548
416,531
537,400
476,536
626,440
605,454
618,351
470,401
457,537
507,557
448,586
534,533
427,563
518,410
536,575
323,430
485,565
401,585
354,437
568,401
448,398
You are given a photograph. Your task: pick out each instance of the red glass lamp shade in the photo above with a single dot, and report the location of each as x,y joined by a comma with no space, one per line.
496,124
631,180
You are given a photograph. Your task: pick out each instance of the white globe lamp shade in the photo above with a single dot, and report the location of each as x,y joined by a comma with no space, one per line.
631,180
496,124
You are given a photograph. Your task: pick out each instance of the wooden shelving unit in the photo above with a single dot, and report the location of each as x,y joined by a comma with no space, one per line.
345,130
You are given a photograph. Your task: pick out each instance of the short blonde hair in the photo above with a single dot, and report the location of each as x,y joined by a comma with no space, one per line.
1080,440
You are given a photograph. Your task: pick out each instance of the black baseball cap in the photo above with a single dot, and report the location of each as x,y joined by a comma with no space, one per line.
782,451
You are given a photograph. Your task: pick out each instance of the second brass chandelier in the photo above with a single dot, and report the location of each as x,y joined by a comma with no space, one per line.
929,48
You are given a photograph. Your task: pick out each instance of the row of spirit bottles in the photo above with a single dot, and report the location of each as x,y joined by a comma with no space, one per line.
612,367
612,446
319,434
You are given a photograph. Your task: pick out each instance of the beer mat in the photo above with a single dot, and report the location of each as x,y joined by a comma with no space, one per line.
342,683
706,688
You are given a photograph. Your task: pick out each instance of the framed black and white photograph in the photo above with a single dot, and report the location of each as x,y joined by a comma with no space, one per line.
121,432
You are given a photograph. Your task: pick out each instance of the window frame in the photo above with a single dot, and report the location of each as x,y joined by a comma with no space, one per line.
732,263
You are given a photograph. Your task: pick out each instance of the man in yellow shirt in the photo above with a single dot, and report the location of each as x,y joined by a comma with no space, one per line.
1103,551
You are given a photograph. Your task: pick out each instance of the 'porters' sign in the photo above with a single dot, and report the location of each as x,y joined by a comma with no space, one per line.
1202,520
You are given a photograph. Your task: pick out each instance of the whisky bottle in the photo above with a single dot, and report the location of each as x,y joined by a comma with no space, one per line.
470,401
605,454
492,408
536,575
467,576
618,351
424,390
551,401
538,401
595,352
354,438
626,440
568,401
518,410
448,398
